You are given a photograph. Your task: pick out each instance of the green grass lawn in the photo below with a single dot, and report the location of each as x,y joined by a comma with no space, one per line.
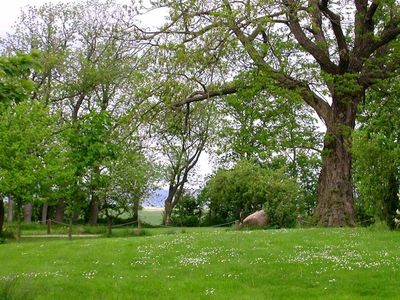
206,263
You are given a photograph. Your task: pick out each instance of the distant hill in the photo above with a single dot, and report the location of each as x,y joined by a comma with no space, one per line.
157,198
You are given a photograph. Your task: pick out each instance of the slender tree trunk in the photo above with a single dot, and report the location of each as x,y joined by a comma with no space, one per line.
75,216
60,211
70,228
1,214
94,209
136,210
335,189
109,226
391,199
10,210
18,217
44,212
28,212
168,212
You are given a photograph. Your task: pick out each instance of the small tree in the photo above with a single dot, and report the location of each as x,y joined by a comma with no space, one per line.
25,136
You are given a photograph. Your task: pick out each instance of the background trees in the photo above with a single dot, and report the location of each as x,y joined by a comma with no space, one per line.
118,98
26,135
88,75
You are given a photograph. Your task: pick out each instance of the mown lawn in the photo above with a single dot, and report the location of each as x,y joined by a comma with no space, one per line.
207,264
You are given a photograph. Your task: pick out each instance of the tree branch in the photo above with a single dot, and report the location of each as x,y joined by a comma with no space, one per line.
338,32
319,54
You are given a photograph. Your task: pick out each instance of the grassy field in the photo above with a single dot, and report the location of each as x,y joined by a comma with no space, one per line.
151,216
205,263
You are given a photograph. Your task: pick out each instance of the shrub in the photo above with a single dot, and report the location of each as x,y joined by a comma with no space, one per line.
187,212
233,194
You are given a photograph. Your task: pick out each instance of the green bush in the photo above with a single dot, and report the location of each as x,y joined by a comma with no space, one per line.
233,194
187,212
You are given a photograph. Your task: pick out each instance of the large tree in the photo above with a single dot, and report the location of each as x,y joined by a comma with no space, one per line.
327,52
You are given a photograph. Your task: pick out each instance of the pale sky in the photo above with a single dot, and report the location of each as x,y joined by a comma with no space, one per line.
11,9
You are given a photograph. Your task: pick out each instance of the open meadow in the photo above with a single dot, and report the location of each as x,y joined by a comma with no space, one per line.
206,263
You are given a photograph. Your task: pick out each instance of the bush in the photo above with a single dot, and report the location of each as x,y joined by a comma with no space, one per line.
187,212
234,194
6,235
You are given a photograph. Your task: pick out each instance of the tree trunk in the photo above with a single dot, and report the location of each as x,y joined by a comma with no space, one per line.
75,216
335,189
28,212
44,212
10,210
391,199
18,217
168,212
1,214
70,228
109,226
94,210
135,210
60,211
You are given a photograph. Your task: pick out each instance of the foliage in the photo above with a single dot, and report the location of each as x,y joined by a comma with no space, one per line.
15,84
26,137
233,194
187,212
127,181
377,152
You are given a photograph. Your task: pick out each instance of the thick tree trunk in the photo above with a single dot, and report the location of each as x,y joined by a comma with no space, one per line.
1,214
10,210
44,212
94,210
335,206
60,211
28,212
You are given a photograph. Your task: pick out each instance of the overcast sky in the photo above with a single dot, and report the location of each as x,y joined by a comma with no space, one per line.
11,9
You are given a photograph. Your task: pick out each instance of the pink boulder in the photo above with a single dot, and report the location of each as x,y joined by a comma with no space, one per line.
259,219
